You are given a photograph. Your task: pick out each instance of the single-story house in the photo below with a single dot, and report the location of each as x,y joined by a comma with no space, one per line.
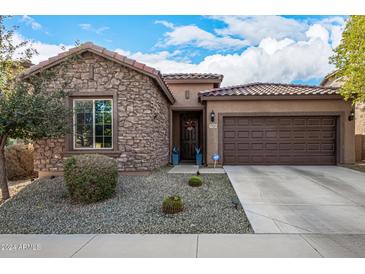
132,112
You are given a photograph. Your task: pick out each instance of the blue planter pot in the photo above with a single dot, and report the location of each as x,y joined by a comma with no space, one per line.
175,159
199,159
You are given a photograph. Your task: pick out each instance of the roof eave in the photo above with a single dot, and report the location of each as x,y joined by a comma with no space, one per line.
269,97
106,54
193,81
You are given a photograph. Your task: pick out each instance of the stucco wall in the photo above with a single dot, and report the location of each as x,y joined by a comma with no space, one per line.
280,106
178,90
359,120
142,135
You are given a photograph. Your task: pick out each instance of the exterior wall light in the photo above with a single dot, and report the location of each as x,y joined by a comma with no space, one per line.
351,115
212,116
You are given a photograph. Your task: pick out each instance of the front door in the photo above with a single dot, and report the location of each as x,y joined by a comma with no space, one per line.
189,135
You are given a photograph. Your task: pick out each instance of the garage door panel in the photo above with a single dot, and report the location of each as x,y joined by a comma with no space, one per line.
279,140
271,146
243,121
257,146
231,160
257,121
229,134
257,134
243,146
285,121
243,159
329,122
284,146
243,134
314,122
328,147
299,134
328,134
299,122
298,147
228,146
313,134
272,159
271,134
314,147
284,134
230,121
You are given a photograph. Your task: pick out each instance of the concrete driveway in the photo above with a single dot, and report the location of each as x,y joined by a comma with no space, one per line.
301,199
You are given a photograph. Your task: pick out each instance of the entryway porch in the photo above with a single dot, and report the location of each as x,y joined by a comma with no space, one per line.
188,134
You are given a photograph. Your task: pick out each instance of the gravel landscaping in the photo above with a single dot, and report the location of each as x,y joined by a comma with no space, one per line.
44,207
16,186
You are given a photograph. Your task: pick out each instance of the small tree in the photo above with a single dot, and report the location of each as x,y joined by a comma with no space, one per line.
27,109
349,59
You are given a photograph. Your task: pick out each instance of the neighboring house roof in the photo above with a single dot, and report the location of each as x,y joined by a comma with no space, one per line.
333,80
111,55
268,89
194,78
327,77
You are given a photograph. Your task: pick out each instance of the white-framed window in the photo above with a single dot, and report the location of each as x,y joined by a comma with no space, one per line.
93,124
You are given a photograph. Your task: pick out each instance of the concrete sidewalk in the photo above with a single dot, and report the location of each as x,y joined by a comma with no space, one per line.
183,245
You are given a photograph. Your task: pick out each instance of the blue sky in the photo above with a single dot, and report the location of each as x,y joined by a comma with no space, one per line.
244,48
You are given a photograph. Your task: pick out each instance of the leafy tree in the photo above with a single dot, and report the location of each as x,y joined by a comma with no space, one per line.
349,59
27,110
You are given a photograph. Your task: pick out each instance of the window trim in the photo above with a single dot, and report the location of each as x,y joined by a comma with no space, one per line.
74,100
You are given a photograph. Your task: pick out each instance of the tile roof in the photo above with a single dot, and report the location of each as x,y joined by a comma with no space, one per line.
114,56
193,76
269,89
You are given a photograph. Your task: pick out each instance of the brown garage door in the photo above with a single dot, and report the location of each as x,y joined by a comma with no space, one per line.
279,140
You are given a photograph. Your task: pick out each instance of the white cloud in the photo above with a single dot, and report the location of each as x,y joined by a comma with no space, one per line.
165,23
335,26
47,50
146,57
29,21
317,31
90,27
271,45
336,35
44,50
256,28
271,61
85,26
195,36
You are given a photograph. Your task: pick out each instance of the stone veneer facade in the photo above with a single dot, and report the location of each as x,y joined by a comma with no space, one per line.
142,114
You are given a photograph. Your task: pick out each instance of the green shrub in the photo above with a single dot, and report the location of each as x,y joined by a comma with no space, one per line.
172,204
195,181
90,177
19,161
